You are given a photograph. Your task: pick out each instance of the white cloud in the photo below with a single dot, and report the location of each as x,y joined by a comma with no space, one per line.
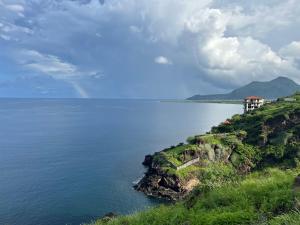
232,59
52,65
226,39
231,42
207,22
291,53
291,50
55,67
12,28
15,7
162,60
47,64
244,59
227,57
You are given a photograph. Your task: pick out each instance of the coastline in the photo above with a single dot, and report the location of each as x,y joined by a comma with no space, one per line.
238,102
244,171
239,146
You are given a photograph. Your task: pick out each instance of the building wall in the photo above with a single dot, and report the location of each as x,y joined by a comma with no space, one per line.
250,104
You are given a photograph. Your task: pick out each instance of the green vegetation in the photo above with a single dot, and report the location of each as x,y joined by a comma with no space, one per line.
271,131
246,172
292,218
264,197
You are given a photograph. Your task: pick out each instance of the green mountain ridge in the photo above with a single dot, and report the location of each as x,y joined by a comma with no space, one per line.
247,171
281,86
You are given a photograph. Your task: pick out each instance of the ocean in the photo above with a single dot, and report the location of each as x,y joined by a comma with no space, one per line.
69,161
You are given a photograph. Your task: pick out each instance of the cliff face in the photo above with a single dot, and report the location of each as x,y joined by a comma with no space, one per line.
255,140
158,183
166,180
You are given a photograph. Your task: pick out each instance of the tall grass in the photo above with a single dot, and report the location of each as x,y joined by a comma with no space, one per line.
260,198
292,218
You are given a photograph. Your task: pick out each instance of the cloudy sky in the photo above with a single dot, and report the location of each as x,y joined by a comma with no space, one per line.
144,48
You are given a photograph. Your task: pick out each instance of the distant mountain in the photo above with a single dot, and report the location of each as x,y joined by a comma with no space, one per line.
279,87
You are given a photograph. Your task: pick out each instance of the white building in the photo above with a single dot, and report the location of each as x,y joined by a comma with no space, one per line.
253,102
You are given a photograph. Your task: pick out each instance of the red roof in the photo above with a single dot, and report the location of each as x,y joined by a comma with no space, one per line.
253,98
226,122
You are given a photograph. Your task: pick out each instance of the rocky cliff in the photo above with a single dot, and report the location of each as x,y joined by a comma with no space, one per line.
248,142
166,179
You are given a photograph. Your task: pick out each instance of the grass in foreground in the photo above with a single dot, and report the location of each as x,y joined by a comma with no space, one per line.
292,218
261,198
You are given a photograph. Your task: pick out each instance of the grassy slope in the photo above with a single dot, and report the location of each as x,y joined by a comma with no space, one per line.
261,198
264,197
246,133
281,145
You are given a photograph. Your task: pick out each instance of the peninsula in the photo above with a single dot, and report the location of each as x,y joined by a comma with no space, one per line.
241,172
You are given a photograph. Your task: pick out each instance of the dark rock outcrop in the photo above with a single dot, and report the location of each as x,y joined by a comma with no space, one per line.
148,160
158,182
161,185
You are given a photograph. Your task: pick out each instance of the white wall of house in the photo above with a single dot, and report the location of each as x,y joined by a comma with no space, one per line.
251,104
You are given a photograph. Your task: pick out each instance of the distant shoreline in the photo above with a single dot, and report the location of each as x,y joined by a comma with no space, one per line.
206,101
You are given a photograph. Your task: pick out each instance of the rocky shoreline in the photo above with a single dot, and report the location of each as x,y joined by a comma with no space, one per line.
249,141
163,179
165,183
159,184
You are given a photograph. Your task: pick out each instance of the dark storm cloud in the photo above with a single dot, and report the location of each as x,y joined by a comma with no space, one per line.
138,48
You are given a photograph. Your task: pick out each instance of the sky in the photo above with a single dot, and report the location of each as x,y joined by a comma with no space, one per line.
144,48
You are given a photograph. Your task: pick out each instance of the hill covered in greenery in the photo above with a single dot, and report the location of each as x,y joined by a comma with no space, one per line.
281,86
263,198
243,174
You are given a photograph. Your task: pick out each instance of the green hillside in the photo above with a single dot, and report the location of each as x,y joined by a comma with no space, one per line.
245,173
273,89
263,198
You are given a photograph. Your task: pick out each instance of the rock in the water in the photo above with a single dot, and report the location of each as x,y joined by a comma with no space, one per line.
148,160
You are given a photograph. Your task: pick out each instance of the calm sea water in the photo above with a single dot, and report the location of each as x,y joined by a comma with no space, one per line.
70,161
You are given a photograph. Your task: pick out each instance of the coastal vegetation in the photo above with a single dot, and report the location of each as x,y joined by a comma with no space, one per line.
264,198
242,172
